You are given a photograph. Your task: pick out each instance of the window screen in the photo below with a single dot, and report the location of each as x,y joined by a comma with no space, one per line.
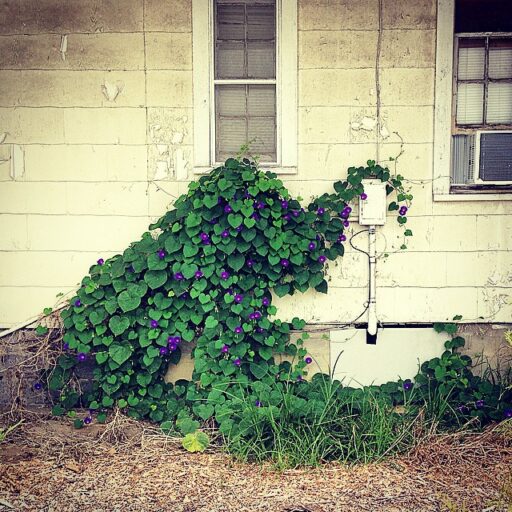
245,78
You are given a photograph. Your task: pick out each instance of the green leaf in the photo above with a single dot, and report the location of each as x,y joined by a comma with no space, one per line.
101,357
196,442
211,322
235,220
236,261
120,353
128,300
282,290
155,278
118,324
187,425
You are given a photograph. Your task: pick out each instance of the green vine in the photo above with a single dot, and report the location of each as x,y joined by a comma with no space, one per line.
204,275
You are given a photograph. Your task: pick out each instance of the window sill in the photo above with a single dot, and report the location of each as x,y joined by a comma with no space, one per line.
277,169
475,195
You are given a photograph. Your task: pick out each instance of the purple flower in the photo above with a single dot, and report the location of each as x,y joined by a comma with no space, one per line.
479,404
239,298
100,261
507,413
363,196
308,360
228,209
256,315
204,236
295,213
320,211
219,200
260,329
172,347
342,238
346,223
237,362
286,217
284,262
225,234
250,263
284,204
87,420
265,301
322,259
38,386
213,222
198,274
78,303
164,351
300,378
260,205
178,276
312,246
347,209
65,346
81,357
229,291
403,210
463,409
238,329
407,385
239,228
161,254
225,349
184,295
258,403
255,216
224,275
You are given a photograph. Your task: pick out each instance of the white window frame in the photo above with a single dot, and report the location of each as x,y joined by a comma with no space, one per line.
443,110
286,86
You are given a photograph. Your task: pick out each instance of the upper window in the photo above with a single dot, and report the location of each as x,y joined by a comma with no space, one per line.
245,81
482,107
245,78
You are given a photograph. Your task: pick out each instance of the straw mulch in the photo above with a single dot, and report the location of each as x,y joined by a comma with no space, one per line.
128,466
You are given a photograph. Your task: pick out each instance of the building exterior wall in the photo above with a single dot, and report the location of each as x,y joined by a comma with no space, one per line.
96,106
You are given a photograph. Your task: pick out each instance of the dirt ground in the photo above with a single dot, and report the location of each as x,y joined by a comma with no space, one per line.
46,465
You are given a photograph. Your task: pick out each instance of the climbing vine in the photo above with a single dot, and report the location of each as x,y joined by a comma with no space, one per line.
206,273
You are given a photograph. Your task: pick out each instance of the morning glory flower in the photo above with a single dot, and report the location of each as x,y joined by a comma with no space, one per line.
38,386
300,378
285,262
403,210
239,298
308,360
78,303
479,404
225,349
250,263
87,420
238,329
312,246
81,357
260,205
163,351
295,213
286,217
228,209
225,234
257,315
100,261
348,209
258,403
265,301
363,196
198,274
463,409
321,259
284,204
154,324
320,211
204,236
255,216
260,329
346,223
178,276
172,347
224,275
407,385
65,346
237,362
507,413
161,254
342,238
239,228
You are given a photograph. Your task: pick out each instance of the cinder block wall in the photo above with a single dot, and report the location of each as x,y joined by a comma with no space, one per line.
96,106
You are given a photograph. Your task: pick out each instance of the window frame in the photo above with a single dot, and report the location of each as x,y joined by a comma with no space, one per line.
203,51
444,116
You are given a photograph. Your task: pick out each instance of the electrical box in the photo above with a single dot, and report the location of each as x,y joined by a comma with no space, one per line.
372,209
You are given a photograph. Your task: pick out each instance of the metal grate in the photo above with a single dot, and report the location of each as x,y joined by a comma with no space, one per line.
463,151
495,157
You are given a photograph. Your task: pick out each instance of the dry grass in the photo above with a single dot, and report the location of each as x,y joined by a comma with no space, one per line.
130,466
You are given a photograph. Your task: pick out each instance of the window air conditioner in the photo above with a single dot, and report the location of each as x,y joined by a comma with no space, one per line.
493,158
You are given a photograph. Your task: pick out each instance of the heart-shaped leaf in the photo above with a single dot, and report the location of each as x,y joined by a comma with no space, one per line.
235,220
118,324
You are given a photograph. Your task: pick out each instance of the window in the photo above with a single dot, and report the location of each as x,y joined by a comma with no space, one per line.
473,117
245,81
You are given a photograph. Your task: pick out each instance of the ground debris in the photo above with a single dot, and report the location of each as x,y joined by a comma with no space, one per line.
131,466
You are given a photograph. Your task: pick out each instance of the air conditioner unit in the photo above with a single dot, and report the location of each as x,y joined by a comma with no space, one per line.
493,158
